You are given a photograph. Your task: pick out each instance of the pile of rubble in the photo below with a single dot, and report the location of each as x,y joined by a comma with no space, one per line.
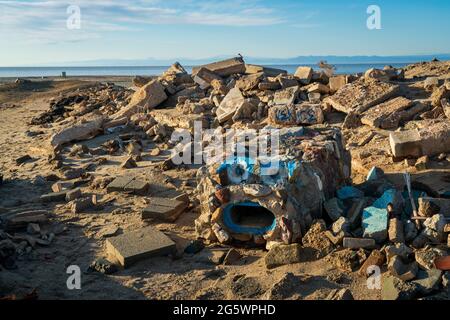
307,209
106,98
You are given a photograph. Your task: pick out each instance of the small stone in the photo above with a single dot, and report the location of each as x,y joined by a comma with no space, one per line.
334,208
341,295
399,249
129,163
425,257
395,231
422,163
82,204
73,194
103,266
341,225
232,257
401,270
223,195
195,246
257,190
376,258
33,228
280,255
155,152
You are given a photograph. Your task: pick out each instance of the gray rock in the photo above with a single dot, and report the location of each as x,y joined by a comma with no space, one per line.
425,257
334,208
428,281
281,255
341,225
401,270
393,288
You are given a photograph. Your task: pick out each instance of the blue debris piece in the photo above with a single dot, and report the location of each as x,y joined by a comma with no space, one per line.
375,174
375,218
388,197
349,192
375,224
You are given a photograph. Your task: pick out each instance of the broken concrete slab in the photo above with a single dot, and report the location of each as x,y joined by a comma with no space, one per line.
229,105
386,115
77,132
146,98
134,246
304,74
286,96
204,77
175,118
300,114
119,184
431,140
361,95
137,187
224,68
318,88
17,221
82,204
268,72
54,196
249,82
337,82
164,209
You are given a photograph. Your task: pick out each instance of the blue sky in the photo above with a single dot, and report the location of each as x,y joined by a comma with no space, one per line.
35,32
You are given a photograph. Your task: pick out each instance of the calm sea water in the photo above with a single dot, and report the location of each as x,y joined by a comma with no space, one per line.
150,71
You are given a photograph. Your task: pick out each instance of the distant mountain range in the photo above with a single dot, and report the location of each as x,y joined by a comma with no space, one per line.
265,61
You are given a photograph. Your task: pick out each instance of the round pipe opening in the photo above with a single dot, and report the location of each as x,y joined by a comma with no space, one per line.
248,218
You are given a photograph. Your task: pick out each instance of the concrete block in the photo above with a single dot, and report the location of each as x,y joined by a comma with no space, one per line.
54,196
304,74
337,82
286,96
268,72
429,141
137,187
386,115
134,246
164,209
119,184
361,95
358,243
73,194
224,68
